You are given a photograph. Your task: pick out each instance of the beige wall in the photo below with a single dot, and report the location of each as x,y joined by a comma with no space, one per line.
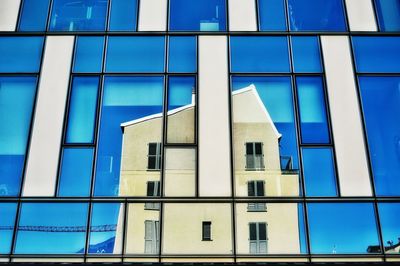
181,126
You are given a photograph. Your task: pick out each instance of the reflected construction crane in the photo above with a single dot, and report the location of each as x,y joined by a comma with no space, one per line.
62,229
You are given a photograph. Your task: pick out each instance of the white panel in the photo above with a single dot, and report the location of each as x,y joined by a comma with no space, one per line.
242,15
361,15
40,178
9,14
346,118
214,144
153,15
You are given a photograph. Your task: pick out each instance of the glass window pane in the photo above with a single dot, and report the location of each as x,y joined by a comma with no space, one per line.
59,229
262,111
306,54
106,228
259,54
319,172
76,172
181,109
316,15
82,110
34,15
88,54
313,121
388,215
380,101
123,15
7,221
272,15
131,118
135,54
333,228
377,54
388,14
20,54
17,95
182,54
197,15
72,15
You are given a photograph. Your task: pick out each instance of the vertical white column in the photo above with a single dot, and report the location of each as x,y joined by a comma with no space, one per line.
242,15
346,118
9,14
214,144
41,171
153,15
361,15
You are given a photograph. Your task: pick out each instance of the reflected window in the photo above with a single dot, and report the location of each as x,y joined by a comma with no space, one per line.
88,54
151,237
258,238
17,96
106,228
206,231
7,221
256,189
380,98
254,156
388,14
388,215
197,15
316,15
78,15
259,54
135,54
154,156
272,15
153,190
59,229
131,117
334,227
20,54
123,15
376,54
34,15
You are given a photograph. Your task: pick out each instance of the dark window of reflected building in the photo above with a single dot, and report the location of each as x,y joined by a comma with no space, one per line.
258,238
154,156
254,156
197,15
206,232
153,190
256,189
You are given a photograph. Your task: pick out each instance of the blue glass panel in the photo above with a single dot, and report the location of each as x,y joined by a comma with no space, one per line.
135,54
7,221
182,54
272,15
388,215
316,15
89,54
34,15
342,228
319,172
180,91
306,54
388,14
82,110
52,228
76,172
197,15
123,15
104,215
313,122
276,94
377,54
20,54
125,100
380,101
17,95
72,15
259,54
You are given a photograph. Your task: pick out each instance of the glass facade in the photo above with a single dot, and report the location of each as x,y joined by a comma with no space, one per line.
126,178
